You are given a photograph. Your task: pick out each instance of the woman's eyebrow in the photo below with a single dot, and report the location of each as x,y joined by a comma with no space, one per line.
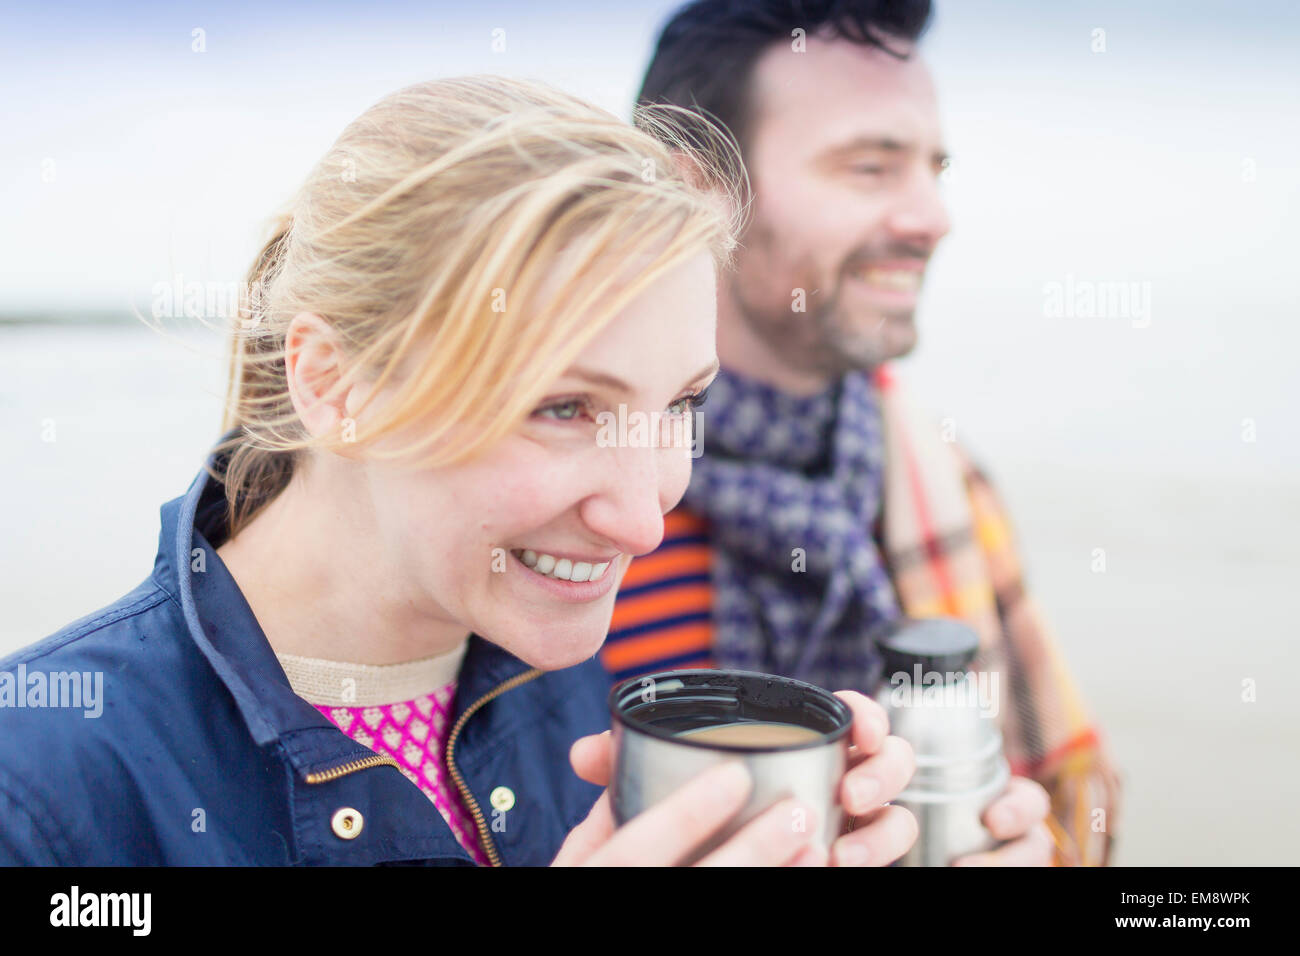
617,384
708,372
599,378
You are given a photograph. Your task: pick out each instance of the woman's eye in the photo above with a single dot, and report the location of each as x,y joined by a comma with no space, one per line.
561,411
688,402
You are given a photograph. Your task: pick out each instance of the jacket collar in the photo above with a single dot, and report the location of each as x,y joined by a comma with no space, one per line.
224,629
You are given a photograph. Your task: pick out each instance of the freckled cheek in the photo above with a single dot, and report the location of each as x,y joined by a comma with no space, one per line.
523,504
674,476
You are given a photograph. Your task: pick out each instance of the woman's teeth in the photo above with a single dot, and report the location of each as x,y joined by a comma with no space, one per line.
562,568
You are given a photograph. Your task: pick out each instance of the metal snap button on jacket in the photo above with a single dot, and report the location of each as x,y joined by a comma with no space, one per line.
347,823
502,798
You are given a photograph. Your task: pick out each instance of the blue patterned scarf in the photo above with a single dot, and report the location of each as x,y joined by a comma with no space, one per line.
791,487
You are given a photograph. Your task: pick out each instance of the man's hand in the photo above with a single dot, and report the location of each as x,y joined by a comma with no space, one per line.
879,768
1017,815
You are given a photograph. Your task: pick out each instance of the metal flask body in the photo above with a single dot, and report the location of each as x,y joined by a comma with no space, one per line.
940,706
651,762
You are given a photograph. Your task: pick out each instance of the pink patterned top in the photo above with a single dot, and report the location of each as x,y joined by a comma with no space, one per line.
376,706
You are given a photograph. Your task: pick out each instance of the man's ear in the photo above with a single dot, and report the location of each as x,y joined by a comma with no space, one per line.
313,364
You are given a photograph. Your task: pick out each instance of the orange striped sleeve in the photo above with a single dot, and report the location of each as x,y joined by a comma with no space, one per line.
645,650
638,609
664,605
666,563
682,521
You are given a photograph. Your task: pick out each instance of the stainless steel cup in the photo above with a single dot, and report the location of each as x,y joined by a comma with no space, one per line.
652,761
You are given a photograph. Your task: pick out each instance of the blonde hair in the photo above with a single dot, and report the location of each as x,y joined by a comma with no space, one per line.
422,237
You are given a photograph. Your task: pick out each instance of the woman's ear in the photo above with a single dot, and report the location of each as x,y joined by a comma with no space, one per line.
356,398
314,366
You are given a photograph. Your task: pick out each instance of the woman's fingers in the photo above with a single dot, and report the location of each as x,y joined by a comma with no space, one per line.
881,838
814,854
870,722
588,836
879,778
667,832
778,837
784,835
592,758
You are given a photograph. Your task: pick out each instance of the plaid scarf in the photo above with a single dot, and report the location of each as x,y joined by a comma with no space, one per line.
791,487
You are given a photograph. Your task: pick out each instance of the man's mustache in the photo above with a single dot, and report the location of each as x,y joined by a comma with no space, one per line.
861,259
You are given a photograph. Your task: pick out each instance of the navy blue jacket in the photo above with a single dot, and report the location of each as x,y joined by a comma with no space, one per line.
203,754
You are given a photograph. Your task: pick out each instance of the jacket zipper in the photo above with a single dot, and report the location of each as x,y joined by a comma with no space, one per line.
379,760
494,858
342,770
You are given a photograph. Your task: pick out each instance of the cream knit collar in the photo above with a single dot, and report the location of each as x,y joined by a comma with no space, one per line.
344,684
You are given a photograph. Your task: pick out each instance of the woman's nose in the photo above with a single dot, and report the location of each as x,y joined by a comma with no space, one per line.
628,510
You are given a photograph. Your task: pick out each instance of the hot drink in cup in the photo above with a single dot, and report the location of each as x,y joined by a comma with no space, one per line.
669,727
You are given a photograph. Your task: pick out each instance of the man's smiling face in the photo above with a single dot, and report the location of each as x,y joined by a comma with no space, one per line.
843,147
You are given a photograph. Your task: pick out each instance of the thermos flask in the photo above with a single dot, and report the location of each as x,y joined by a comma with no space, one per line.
946,711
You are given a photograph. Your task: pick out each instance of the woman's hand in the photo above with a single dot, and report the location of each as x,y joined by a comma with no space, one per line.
879,767
673,828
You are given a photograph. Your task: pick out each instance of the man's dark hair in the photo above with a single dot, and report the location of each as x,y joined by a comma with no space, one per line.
707,51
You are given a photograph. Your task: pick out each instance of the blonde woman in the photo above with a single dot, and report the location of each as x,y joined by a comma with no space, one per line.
369,633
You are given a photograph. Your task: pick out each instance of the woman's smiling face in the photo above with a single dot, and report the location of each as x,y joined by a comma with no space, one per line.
472,541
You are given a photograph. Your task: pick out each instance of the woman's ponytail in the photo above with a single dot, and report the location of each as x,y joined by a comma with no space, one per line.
254,474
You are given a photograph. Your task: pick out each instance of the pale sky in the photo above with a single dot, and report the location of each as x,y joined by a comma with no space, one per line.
125,156
1170,160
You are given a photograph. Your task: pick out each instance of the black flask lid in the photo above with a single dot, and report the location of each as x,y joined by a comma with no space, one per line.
938,644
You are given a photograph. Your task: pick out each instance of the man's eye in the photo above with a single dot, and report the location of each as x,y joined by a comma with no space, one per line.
869,170
561,411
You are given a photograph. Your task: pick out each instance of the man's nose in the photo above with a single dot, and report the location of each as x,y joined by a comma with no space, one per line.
628,509
921,215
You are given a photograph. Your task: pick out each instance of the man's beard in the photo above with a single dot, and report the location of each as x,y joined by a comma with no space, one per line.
862,339
831,338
